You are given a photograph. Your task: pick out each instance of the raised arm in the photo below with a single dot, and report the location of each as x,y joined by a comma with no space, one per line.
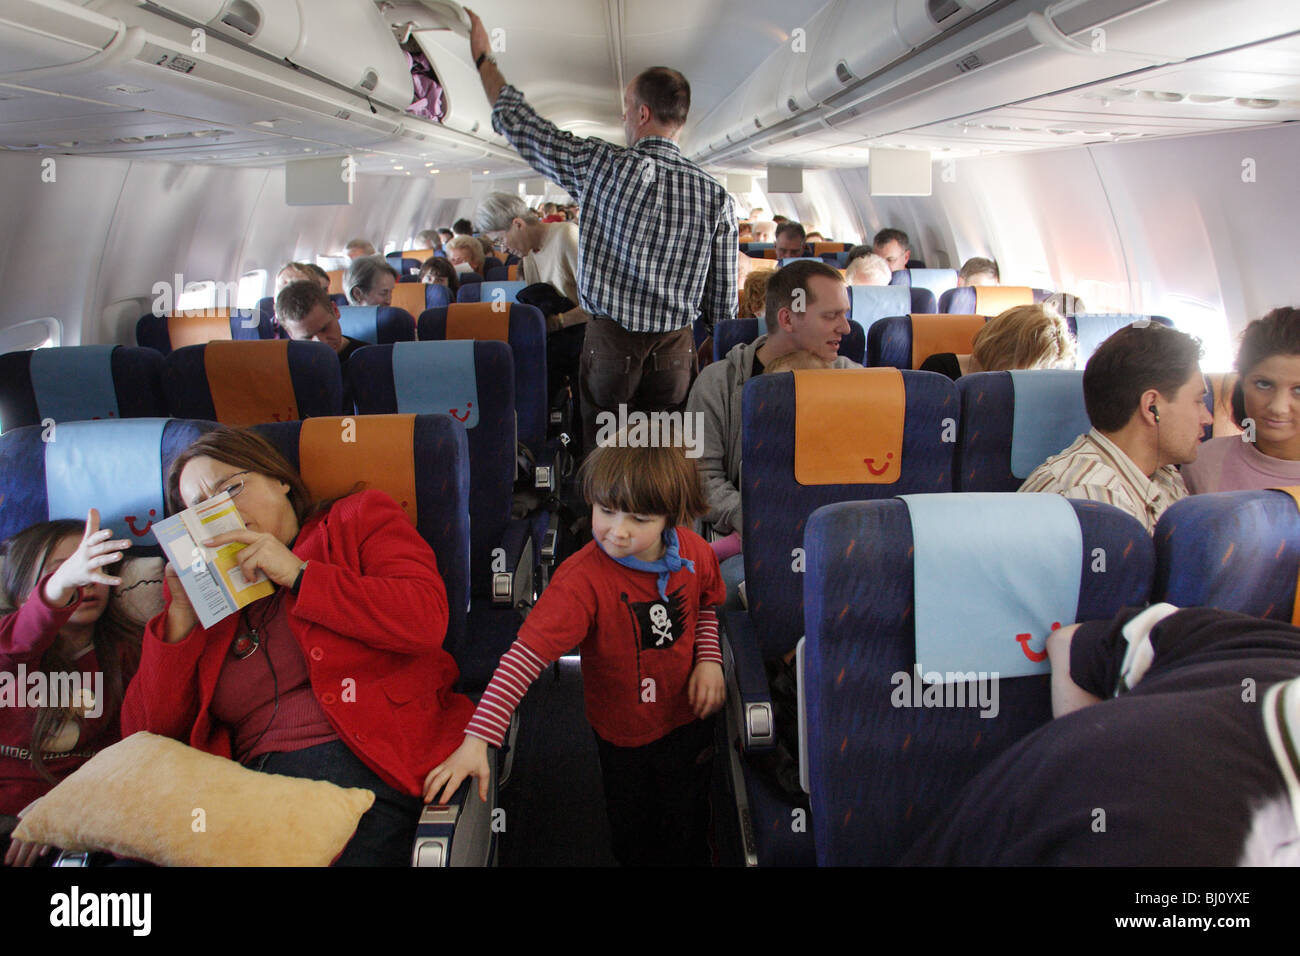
558,155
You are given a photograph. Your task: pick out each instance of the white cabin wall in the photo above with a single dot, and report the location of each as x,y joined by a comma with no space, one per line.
1165,226
113,228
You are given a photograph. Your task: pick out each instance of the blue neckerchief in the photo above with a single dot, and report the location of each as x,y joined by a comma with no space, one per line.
672,561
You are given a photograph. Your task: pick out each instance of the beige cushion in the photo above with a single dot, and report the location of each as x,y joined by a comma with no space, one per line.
153,798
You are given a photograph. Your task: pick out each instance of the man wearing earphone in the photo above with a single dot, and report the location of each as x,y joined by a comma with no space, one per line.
1145,396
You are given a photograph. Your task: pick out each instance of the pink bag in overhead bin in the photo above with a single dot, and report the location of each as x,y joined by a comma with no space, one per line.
428,91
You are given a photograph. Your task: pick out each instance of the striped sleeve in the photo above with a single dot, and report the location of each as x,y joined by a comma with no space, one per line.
518,669
707,647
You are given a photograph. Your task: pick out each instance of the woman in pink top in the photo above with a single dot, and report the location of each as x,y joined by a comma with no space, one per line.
1266,404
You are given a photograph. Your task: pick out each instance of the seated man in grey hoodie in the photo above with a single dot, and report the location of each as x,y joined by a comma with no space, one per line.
806,309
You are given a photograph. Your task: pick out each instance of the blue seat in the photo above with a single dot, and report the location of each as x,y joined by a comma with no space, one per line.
776,508
474,383
377,324
525,332
489,291
80,382
937,281
890,343
408,270
1235,550
267,327
435,458
968,299
869,303
249,384
880,773
167,332
923,300
1011,422
118,466
732,332
749,248
491,262
501,274
1090,329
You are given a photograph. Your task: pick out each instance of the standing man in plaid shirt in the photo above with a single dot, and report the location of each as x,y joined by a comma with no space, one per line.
658,243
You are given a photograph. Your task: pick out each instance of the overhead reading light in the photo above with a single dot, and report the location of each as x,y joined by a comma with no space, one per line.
1255,104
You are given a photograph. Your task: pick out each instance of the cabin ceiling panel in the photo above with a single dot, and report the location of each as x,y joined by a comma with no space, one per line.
717,45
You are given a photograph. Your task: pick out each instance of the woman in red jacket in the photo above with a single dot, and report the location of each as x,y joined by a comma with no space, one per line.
65,657
340,674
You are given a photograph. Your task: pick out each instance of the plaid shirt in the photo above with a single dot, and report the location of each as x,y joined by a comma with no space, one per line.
658,242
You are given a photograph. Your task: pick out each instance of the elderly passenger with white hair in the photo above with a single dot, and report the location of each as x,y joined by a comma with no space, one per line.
868,270
466,254
549,250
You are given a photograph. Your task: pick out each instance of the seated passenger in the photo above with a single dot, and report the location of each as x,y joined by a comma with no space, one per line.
359,247
716,395
465,253
639,601
978,271
1152,758
812,237
1022,337
763,230
1265,402
489,252
317,273
462,227
439,271
358,603
549,250
369,281
307,313
758,212
294,272
445,235
857,252
428,239
753,296
789,240
893,246
867,269
780,219
1145,397
56,583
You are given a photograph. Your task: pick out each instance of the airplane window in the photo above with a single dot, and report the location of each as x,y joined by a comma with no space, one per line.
197,295
41,333
1205,321
252,286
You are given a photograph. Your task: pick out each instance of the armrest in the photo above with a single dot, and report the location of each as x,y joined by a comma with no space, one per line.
749,699
515,583
461,833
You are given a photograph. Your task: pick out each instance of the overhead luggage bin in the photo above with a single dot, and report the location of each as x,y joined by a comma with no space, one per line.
346,43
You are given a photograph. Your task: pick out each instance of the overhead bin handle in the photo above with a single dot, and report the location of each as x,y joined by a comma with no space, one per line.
1043,29
408,16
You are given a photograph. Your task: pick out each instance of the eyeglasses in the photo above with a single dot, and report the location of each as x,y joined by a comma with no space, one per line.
232,488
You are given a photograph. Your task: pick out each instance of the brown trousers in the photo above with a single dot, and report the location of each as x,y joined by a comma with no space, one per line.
646,371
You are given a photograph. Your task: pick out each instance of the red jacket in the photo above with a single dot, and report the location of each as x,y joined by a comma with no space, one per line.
370,616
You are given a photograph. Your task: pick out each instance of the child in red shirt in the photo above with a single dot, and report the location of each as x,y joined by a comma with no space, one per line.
56,581
639,602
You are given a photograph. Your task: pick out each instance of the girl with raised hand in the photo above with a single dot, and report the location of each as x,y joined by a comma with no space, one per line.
56,581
